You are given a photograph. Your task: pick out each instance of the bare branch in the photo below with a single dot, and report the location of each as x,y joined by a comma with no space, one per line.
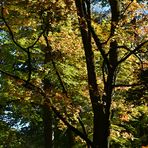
18,101
27,50
119,16
31,46
25,83
125,47
103,72
83,128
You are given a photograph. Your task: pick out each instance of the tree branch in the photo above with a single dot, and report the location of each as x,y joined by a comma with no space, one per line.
115,12
132,52
99,45
72,128
25,83
54,66
126,85
29,65
27,50
125,47
83,128
12,35
49,103
82,125
10,32
113,25
126,9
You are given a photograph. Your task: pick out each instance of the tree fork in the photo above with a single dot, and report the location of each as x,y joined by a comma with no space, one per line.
99,140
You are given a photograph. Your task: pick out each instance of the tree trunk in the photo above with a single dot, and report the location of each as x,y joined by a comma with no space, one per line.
47,112
101,106
47,121
100,124
70,139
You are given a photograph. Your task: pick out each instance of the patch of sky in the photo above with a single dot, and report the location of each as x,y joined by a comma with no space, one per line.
97,7
3,36
12,122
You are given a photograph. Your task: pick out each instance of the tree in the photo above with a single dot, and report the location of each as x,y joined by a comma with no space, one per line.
35,65
101,104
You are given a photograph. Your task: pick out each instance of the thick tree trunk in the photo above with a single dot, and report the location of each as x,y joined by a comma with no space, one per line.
100,127
101,107
47,121
100,122
47,112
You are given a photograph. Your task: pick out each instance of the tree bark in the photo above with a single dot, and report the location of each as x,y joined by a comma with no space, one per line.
99,122
47,121
47,112
101,107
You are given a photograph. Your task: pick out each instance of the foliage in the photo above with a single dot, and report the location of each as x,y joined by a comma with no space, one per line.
42,64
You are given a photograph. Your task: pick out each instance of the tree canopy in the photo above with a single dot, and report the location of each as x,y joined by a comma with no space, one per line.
73,76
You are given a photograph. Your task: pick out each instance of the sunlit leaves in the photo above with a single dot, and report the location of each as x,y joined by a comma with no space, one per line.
62,55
